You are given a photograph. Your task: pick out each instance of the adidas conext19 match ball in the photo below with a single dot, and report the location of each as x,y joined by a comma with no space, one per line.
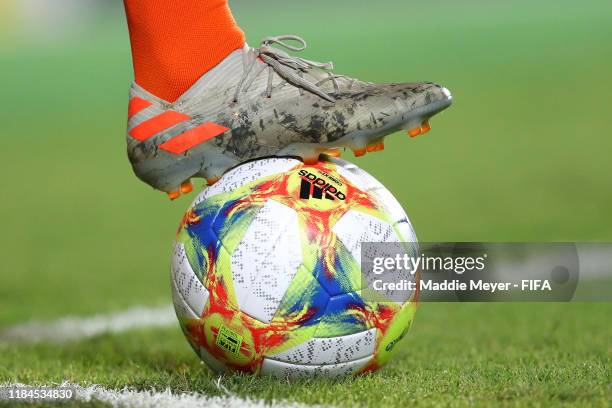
266,270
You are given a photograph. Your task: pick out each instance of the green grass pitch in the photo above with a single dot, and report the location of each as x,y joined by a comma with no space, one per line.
522,155
456,355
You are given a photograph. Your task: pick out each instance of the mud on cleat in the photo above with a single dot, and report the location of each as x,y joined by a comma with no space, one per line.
261,102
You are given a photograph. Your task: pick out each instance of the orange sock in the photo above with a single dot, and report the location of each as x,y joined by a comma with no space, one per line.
175,42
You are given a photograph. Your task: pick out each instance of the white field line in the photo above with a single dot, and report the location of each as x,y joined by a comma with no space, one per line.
162,399
69,328
75,328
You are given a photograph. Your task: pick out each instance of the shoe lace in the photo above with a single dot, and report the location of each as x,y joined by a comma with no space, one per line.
290,68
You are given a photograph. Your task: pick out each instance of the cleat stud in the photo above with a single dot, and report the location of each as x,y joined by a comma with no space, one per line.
333,152
425,127
376,147
186,187
359,152
173,195
414,132
212,180
310,160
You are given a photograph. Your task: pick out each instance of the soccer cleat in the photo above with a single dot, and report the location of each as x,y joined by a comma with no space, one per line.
261,102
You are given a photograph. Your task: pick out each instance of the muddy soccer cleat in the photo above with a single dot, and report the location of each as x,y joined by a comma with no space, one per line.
262,102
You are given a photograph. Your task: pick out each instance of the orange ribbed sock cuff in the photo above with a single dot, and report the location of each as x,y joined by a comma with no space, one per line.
175,42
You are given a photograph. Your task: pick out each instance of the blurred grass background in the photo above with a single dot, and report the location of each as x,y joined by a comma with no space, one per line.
524,154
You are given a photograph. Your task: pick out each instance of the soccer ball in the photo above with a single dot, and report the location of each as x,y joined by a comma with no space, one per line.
266,270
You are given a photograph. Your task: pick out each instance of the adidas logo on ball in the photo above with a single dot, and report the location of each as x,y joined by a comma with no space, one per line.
314,187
